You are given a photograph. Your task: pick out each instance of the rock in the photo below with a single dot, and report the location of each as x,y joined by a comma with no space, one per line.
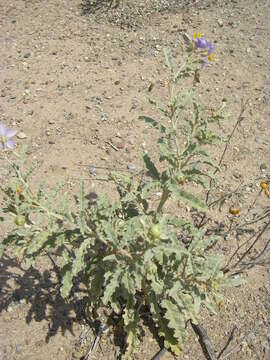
132,168
27,55
92,170
104,116
21,135
134,104
263,167
220,22
120,146
236,175
19,349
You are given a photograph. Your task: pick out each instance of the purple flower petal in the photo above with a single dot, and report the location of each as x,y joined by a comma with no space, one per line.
2,130
9,144
6,141
204,61
10,133
201,44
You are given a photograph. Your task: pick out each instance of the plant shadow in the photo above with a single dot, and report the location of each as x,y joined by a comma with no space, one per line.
42,293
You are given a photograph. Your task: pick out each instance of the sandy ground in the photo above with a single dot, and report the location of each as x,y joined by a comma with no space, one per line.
73,84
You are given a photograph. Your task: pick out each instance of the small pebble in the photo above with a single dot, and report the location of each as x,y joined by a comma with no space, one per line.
237,175
92,170
263,167
104,116
19,349
21,135
131,168
220,22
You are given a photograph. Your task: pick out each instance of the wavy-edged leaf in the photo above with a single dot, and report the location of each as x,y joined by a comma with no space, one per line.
66,283
175,321
38,242
79,262
169,59
187,197
96,283
164,330
150,166
128,284
152,277
155,124
166,153
82,201
132,325
111,286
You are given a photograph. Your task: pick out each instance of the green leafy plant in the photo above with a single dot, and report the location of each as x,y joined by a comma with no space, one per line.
132,256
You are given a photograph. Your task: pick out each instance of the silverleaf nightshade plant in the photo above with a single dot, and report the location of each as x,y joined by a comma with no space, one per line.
135,256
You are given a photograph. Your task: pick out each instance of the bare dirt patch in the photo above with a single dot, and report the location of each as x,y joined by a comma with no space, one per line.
74,83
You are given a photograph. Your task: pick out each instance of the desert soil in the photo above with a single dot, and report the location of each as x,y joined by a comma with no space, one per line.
73,82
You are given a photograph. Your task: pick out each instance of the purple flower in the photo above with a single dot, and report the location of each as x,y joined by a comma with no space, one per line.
6,141
200,43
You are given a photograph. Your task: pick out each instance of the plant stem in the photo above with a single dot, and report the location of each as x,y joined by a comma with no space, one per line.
164,198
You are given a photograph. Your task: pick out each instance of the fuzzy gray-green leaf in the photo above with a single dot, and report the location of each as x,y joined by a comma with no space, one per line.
150,166
169,59
187,197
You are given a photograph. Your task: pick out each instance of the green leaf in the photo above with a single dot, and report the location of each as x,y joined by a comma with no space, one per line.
152,277
166,153
234,281
2,249
150,166
29,261
79,263
176,321
169,59
155,124
210,306
187,197
170,341
179,73
66,284
128,283
131,321
38,242
109,231
111,287
82,201
96,283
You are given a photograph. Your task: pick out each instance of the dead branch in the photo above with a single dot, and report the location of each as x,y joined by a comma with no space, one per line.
230,338
246,253
238,121
205,342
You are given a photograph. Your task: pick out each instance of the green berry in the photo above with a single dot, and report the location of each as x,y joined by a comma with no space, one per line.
19,220
155,231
